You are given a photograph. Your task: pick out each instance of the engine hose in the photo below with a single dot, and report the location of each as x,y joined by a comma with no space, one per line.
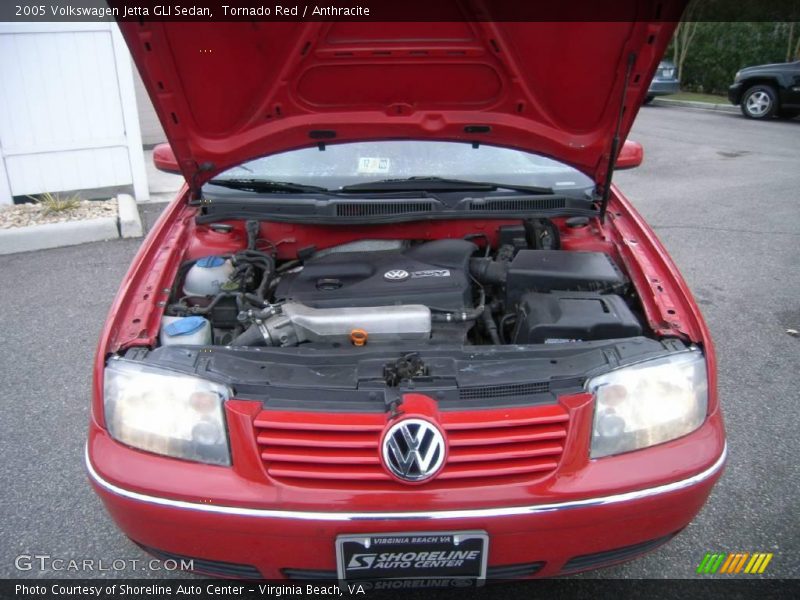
246,258
204,310
491,327
251,336
252,226
488,271
261,292
503,323
448,315
267,264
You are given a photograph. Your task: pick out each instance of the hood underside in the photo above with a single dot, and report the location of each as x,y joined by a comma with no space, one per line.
227,92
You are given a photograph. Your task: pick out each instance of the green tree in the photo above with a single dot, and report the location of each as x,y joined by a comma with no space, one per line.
683,36
718,49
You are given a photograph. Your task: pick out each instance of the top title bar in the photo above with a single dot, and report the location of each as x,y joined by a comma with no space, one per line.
383,10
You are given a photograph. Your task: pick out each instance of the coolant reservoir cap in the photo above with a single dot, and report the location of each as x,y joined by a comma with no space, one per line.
209,262
185,326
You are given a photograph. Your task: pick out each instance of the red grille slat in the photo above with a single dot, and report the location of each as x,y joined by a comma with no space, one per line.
300,426
314,440
498,470
460,455
506,436
517,444
341,456
544,415
329,472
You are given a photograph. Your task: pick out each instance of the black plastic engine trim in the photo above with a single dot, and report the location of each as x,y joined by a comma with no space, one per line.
324,378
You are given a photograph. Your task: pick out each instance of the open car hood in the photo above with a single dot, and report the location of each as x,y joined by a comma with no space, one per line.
227,92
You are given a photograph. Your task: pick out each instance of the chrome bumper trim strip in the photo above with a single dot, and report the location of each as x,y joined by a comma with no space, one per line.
409,516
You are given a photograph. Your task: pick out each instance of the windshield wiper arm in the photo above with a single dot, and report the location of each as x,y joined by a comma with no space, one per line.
266,185
441,184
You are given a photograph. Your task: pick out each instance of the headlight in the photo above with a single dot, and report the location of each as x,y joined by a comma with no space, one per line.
737,76
648,403
166,413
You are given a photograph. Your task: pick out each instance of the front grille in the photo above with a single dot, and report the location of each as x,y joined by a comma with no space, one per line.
340,449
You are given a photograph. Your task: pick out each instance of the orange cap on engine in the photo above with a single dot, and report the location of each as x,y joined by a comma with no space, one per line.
358,337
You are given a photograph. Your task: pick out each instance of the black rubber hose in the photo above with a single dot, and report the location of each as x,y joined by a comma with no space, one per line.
488,271
253,227
491,326
503,323
449,315
204,310
251,336
244,257
487,248
262,259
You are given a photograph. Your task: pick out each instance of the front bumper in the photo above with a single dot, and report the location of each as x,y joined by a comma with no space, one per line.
664,87
735,93
278,541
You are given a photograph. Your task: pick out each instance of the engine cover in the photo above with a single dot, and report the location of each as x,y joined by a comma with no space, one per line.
434,274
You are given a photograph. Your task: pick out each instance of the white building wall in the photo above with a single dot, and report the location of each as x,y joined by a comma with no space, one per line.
152,131
68,117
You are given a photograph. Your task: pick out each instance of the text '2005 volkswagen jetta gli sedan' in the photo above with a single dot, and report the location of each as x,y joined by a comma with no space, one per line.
399,323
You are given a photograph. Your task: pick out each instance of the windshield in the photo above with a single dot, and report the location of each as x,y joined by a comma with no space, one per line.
340,165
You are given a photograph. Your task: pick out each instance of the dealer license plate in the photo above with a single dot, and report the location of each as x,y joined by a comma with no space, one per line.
425,555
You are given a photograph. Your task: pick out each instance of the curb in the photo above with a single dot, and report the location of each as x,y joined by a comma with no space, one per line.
127,224
130,222
729,108
54,235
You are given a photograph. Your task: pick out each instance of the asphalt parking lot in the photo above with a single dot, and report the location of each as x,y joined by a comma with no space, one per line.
722,193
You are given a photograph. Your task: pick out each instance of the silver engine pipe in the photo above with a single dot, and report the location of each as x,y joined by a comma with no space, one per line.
291,323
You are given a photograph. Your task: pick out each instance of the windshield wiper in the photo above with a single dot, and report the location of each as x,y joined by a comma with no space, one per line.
265,185
441,184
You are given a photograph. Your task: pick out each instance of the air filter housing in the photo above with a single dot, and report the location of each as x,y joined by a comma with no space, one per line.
561,270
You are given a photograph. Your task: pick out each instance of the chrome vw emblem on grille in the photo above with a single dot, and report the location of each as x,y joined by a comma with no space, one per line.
413,450
396,275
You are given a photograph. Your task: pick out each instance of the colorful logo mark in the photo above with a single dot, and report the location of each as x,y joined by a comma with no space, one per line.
732,563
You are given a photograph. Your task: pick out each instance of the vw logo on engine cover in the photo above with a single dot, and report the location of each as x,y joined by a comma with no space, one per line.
413,450
396,275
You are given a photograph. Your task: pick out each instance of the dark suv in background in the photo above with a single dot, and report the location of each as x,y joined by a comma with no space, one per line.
765,91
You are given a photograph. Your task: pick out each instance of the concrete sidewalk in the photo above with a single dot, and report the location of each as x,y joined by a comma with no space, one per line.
692,104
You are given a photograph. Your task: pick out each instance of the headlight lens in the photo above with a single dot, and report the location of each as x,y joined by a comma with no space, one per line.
737,77
166,413
648,403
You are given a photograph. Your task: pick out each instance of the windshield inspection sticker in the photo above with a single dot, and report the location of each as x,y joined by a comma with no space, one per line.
373,165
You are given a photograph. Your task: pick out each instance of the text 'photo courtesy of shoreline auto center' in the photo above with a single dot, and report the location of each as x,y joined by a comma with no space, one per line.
350,299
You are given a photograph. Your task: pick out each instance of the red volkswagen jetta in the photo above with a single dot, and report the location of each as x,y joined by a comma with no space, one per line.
399,323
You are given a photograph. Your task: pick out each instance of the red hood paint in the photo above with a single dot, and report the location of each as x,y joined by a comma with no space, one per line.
227,92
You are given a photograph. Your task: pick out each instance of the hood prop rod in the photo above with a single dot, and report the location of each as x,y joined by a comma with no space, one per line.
612,160
194,189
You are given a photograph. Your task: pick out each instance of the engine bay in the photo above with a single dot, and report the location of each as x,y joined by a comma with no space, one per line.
516,286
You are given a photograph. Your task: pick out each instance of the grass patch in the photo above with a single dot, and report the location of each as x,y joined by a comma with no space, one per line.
55,203
695,97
